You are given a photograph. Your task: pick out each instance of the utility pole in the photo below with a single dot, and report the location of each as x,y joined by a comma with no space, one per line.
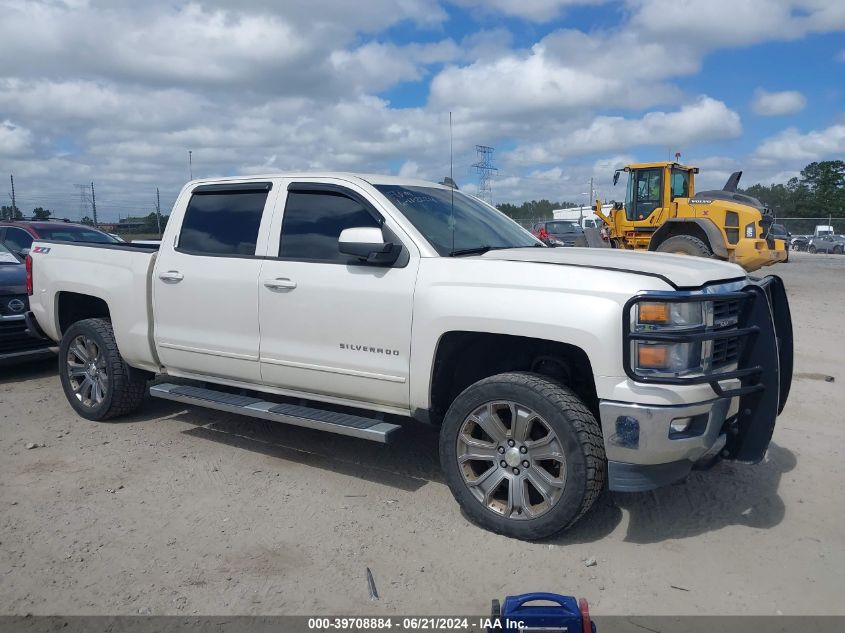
14,206
94,204
190,164
158,212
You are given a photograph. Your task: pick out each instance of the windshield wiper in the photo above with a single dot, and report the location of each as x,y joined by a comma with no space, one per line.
477,250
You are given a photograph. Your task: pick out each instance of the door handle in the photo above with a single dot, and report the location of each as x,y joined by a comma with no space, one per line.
171,276
282,283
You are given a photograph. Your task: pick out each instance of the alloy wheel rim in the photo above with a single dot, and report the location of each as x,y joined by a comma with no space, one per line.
511,460
86,371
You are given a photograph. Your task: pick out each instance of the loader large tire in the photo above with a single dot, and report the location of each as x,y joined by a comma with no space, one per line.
685,245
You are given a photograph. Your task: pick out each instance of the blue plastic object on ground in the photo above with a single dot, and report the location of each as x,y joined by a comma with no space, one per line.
565,614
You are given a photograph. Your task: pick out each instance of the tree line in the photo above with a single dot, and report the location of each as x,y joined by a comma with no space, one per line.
534,209
818,192
9,212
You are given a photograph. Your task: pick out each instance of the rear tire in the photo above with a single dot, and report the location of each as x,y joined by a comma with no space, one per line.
812,250
558,467
685,245
96,380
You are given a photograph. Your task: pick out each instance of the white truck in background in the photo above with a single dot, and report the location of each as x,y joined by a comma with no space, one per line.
551,373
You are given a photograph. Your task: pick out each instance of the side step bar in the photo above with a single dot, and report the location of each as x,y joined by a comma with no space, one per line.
342,423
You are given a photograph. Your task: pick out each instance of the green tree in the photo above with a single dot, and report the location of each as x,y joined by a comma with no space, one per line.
87,221
825,181
40,213
8,212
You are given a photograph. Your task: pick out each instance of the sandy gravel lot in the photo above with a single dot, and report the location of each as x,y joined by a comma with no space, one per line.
184,511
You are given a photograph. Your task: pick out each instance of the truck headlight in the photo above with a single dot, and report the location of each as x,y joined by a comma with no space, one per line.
672,315
669,358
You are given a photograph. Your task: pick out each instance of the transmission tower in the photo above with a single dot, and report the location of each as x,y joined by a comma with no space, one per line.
485,170
84,200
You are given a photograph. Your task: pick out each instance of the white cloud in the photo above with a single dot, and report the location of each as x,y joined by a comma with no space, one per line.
777,103
717,23
535,10
792,145
14,140
706,119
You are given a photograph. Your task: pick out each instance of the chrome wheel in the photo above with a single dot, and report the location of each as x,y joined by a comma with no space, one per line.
86,371
511,460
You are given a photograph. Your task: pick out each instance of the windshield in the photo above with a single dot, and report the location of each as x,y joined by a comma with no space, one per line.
75,234
557,228
471,225
7,257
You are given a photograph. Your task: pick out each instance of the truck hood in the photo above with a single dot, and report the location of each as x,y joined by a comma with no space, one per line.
680,271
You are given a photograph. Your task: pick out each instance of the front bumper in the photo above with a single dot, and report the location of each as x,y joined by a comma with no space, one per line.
643,449
753,254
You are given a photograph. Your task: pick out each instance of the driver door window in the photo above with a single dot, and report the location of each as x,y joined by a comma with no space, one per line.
648,190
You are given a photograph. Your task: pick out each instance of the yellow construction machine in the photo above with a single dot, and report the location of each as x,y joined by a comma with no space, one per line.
663,212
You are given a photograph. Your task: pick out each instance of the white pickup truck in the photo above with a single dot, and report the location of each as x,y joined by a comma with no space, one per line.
351,303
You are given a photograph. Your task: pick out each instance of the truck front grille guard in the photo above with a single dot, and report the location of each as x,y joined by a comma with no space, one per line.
764,366
748,329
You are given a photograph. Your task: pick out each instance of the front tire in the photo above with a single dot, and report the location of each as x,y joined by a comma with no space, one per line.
523,455
837,250
812,250
685,245
95,378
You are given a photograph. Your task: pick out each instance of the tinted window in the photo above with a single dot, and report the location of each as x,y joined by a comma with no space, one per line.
222,223
76,234
17,239
313,222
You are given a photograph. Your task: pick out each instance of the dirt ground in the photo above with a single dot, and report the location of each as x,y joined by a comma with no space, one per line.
188,511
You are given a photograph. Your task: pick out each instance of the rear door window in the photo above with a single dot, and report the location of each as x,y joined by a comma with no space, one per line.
223,221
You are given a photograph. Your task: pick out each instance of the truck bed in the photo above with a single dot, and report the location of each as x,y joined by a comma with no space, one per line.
118,274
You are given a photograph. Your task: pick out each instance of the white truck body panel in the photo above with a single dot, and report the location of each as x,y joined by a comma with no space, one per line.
221,322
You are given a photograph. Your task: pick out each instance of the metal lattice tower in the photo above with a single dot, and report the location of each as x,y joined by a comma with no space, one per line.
84,200
485,170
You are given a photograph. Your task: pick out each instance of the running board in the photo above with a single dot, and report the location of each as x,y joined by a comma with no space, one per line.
341,423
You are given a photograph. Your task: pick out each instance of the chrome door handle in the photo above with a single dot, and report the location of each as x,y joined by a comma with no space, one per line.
171,276
282,283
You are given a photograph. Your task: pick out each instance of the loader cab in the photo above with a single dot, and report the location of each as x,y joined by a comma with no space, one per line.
654,186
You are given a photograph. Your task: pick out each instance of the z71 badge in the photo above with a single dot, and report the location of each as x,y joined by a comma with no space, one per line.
41,249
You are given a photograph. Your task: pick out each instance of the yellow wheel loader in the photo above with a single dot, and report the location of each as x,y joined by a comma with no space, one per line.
663,212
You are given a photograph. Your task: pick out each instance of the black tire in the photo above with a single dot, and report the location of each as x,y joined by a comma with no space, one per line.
573,423
812,250
685,245
837,250
123,394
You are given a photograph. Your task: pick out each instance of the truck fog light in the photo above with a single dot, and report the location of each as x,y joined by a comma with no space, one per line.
679,425
627,432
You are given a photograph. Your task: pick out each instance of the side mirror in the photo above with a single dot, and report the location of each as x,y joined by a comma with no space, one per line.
367,244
